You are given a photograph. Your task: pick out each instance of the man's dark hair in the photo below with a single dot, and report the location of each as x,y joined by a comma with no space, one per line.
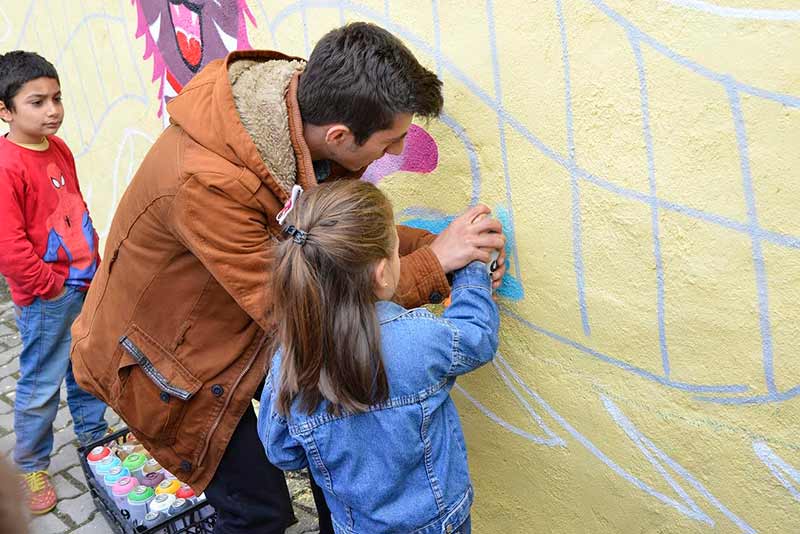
18,68
360,75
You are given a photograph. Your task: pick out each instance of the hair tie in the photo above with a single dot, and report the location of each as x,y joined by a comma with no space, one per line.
298,236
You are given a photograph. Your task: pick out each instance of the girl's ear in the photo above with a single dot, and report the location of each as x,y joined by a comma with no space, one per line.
379,278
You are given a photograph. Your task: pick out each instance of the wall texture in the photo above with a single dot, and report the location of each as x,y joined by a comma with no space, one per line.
645,160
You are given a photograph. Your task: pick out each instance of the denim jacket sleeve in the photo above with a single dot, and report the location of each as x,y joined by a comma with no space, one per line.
283,451
474,316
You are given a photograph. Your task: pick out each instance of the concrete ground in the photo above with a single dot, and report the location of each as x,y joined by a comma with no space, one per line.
75,511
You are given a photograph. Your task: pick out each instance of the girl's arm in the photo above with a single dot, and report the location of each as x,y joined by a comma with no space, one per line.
283,451
474,317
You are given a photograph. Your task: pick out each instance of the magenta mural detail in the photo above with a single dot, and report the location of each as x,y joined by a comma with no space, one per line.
183,36
420,154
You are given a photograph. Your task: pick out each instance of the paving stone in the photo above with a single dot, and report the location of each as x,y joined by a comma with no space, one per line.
8,384
77,473
306,523
47,524
10,354
65,489
79,508
7,422
63,419
6,331
65,457
9,368
305,499
6,404
98,525
7,443
296,485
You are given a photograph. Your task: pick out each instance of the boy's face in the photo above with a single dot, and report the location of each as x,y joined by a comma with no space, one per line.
354,157
37,111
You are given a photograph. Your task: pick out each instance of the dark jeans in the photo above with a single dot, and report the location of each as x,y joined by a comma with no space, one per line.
249,493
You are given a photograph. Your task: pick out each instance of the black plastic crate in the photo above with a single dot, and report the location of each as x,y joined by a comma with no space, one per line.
199,519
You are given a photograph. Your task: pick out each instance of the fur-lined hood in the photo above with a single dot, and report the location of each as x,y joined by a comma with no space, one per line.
244,108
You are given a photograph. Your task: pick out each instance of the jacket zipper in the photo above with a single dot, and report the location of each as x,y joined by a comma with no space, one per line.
228,400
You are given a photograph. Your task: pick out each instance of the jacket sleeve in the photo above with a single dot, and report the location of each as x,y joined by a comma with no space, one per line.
422,278
283,451
18,258
211,217
474,316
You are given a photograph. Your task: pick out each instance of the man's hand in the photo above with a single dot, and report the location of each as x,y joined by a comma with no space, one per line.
467,240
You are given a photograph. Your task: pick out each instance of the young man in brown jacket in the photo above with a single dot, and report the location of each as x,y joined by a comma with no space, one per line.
173,331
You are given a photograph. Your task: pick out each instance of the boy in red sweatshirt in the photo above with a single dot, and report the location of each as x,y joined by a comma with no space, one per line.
48,256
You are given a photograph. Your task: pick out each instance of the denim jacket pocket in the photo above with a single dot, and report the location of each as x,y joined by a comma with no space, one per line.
153,387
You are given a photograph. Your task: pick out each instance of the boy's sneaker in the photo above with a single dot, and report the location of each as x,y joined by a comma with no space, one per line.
39,492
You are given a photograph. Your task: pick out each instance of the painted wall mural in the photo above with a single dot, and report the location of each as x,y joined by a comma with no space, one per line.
643,158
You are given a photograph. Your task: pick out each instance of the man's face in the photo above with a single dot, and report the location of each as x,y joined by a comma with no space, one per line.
354,157
37,111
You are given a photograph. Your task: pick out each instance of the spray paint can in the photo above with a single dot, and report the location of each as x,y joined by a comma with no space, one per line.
120,492
187,493
113,476
103,467
124,450
153,479
491,266
162,503
169,475
134,462
170,486
138,501
95,456
151,466
153,519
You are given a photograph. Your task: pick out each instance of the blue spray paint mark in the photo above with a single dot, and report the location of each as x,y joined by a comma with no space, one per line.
577,234
651,179
510,287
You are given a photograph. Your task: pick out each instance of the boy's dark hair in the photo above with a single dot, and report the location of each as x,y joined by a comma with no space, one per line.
360,75
18,68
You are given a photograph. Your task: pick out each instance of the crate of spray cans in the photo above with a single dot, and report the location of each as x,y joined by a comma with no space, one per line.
136,494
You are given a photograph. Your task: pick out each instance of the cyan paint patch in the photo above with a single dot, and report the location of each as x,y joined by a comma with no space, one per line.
510,287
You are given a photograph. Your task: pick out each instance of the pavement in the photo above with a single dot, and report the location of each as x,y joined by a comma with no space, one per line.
76,512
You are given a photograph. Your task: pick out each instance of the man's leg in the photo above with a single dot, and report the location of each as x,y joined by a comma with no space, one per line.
323,512
88,412
249,493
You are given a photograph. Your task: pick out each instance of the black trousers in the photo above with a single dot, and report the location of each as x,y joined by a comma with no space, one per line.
249,493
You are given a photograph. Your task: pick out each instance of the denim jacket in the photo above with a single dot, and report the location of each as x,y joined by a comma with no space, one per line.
401,466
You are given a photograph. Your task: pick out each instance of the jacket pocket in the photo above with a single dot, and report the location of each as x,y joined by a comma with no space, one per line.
154,387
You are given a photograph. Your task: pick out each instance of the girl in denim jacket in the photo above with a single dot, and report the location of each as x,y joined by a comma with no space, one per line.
359,387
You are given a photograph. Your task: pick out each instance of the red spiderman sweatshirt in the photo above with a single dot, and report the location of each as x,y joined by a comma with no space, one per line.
47,239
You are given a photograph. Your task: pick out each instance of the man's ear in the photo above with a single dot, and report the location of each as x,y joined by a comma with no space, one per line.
338,135
5,114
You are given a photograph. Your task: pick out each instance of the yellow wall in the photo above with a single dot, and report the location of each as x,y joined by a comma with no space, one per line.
645,158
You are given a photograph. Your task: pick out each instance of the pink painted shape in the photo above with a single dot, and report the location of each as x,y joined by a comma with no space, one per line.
420,154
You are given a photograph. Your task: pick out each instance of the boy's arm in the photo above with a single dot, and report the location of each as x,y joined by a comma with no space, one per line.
422,278
18,259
